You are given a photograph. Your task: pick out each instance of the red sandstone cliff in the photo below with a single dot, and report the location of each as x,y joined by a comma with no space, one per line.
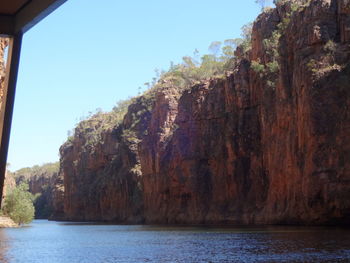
56,198
268,144
101,171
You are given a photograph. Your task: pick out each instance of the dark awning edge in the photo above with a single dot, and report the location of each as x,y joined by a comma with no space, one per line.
27,17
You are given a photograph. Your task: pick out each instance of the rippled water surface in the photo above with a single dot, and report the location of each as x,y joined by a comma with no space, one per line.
52,242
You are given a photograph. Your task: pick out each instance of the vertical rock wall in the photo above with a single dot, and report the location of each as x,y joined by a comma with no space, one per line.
102,176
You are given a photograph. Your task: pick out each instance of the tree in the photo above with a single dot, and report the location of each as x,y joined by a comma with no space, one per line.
19,204
262,3
228,50
246,31
214,48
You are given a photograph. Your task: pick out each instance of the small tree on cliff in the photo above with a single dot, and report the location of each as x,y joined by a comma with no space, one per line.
262,3
19,204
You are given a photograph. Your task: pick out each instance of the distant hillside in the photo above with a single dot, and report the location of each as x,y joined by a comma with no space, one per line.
41,181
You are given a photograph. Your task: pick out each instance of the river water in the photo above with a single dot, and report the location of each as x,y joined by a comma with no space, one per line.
53,242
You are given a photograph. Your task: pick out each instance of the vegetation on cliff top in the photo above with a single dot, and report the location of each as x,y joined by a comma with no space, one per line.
195,69
192,70
45,170
270,68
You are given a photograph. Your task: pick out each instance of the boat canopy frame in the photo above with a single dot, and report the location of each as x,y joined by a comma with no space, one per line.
16,18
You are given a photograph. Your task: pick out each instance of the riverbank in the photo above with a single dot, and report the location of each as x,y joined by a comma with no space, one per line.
7,222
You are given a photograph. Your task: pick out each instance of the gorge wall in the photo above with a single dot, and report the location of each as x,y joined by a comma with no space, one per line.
44,183
267,144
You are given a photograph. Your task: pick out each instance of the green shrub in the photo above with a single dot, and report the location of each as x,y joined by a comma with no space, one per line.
330,47
271,44
191,71
312,65
294,7
273,67
19,204
284,24
257,67
271,84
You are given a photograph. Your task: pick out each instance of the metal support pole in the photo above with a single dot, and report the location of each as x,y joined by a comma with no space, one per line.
6,110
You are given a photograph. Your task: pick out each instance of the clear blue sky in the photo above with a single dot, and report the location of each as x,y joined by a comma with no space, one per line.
89,54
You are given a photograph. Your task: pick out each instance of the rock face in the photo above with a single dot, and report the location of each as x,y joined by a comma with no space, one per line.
56,198
101,169
261,146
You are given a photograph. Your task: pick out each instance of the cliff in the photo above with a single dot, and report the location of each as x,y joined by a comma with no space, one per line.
266,144
43,182
100,167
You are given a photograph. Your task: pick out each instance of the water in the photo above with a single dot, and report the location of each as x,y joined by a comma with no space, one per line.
56,242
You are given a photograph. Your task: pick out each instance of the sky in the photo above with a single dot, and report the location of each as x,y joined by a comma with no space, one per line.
90,54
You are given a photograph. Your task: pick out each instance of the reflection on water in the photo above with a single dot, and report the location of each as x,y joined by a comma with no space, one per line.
4,246
56,242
